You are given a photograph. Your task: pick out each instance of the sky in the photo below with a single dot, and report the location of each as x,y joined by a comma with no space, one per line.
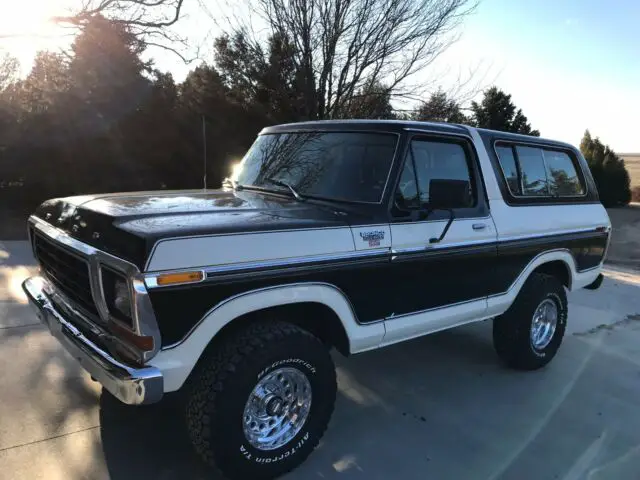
569,64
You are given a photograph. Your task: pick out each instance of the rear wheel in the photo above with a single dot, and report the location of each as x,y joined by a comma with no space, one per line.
529,334
258,406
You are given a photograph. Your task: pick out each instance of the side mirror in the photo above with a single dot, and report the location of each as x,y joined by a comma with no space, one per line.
449,194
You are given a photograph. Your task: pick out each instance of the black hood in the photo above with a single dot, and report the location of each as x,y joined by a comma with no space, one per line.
128,225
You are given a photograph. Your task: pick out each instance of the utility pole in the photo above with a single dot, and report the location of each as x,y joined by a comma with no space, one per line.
204,142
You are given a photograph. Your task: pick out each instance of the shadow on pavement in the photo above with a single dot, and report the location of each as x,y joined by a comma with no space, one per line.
438,407
151,442
147,442
386,405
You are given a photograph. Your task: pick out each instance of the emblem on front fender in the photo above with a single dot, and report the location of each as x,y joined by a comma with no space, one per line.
373,237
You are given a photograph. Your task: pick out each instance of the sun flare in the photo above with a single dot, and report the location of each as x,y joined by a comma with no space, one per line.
27,27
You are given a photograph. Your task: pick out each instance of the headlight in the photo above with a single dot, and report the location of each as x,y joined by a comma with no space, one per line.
122,300
117,295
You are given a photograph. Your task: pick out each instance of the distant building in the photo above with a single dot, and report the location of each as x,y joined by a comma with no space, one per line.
632,162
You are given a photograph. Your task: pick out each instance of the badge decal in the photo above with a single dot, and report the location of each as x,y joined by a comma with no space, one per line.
373,237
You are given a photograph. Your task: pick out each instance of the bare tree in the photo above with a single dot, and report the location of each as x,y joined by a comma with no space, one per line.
148,20
348,46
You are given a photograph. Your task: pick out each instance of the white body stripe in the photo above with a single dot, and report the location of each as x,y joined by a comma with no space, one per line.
537,220
417,234
430,321
191,252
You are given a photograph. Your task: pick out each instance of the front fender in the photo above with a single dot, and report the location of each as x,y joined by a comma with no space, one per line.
177,362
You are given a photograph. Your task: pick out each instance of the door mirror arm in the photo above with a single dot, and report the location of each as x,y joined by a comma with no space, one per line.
446,227
447,194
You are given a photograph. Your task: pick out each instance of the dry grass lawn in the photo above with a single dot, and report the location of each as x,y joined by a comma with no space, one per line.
632,162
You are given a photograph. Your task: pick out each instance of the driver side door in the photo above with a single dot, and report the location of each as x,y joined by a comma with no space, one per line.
439,281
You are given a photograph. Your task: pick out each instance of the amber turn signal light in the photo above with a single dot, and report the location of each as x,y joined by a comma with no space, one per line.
142,342
182,277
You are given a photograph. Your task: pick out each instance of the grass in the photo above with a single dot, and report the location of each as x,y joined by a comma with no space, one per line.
633,167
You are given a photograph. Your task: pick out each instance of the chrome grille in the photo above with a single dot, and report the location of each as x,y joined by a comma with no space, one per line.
69,273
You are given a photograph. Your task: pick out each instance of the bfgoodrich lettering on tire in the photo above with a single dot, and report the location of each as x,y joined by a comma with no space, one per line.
258,405
529,334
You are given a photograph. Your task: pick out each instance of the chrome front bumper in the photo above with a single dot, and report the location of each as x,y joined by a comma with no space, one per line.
133,386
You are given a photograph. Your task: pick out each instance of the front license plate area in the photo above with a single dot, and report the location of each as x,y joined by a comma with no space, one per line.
47,319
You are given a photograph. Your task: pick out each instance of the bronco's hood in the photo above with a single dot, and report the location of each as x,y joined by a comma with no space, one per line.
128,225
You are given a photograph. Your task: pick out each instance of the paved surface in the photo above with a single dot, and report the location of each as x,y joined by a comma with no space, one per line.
440,407
624,249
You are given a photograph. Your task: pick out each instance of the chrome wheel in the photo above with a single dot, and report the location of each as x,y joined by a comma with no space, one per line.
277,408
545,320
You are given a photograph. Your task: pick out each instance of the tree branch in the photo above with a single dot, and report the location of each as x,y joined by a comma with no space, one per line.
148,20
343,47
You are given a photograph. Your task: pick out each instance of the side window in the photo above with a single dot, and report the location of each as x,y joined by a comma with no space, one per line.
562,174
539,172
407,193
436,172
534,173
509,168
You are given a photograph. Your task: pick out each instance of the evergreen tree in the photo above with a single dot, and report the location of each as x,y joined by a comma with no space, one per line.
373,101
608,170
440,108
496,111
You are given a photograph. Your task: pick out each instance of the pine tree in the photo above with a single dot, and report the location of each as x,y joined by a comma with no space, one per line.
373,101
496,111
440,108
608,170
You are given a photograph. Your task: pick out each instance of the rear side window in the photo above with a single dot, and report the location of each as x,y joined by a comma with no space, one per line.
562,174
539,172
509,168
534,175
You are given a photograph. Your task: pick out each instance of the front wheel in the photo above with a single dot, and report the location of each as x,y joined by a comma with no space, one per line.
260,403
529,334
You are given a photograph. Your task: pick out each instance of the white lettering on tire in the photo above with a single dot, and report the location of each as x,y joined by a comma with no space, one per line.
297,361
276,458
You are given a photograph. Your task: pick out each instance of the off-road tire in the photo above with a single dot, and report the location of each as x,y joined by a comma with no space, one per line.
218,390
512,330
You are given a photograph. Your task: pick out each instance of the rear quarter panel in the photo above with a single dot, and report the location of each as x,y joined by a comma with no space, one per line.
574,231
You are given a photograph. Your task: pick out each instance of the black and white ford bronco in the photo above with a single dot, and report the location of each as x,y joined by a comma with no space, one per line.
347,234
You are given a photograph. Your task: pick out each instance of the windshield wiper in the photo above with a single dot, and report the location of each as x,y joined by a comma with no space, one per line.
296,195
230,181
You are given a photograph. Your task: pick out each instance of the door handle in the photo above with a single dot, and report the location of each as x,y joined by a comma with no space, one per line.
479,226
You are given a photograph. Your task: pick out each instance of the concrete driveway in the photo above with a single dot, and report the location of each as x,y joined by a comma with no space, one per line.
440,407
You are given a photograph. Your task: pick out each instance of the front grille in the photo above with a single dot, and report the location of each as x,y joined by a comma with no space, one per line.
69,274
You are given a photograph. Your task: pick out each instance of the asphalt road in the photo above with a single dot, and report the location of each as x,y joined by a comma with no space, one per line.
440,407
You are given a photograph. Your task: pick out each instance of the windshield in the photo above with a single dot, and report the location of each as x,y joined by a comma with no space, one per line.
346,166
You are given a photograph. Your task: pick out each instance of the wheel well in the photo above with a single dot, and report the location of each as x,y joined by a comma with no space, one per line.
558,269
314,317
